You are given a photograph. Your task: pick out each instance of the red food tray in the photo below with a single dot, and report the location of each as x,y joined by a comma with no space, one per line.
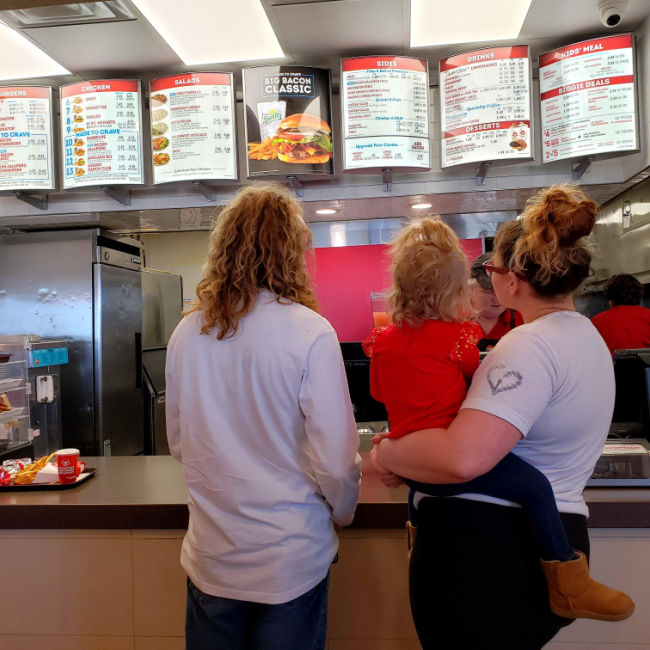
55,485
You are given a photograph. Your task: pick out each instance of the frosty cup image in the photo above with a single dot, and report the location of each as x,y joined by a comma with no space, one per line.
68,465
269,115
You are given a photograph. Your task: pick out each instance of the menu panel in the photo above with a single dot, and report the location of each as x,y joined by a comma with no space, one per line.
485,108
193,127
588,98
101,133
288,120
26,158
385,112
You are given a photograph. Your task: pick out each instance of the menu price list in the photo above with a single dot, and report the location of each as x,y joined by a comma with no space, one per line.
26,138
588,98
101,133
192,127
385,112
485,106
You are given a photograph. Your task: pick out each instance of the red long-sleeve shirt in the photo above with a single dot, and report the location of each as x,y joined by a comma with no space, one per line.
624,326
421,373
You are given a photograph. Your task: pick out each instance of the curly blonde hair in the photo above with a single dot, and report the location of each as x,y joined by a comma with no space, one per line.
430,274
259,242
547,246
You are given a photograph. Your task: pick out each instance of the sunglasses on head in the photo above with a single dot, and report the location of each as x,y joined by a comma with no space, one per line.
491,268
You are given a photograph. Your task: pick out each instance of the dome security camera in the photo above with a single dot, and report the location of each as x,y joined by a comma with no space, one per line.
611,12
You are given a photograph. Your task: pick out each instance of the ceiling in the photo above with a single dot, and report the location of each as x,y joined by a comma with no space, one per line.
313,32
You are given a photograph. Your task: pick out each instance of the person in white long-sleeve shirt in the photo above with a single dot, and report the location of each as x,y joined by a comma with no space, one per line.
259,414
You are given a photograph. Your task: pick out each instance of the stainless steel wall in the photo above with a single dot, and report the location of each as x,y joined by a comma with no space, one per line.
621,237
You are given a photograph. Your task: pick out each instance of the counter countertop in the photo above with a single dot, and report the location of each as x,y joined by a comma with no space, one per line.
149,492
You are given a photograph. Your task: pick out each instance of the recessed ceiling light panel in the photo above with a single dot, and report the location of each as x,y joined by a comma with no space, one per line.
326,211
421,206
218,31
434,22
26,61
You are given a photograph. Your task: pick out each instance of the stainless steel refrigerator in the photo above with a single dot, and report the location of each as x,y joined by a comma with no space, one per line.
83,286
162,304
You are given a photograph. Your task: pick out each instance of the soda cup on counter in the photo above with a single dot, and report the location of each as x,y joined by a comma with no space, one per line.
68,466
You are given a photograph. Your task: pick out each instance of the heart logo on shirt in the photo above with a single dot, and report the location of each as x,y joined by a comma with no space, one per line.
502,379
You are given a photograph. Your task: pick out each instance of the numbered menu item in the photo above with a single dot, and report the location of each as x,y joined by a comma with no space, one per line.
485,106
288,118
26,161
193,127
385,112
101,133
588,98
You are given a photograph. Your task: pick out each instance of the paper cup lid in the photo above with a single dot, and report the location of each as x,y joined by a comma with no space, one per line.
66,452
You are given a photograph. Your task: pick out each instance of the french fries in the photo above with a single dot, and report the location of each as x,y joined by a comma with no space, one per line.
27,475
265,150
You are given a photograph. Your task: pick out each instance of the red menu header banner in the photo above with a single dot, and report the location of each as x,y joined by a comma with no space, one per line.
483,56
384,63
587,85
191,79
100,86
586,47
490,126
23,92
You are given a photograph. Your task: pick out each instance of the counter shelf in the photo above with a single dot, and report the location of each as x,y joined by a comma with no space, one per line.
148,492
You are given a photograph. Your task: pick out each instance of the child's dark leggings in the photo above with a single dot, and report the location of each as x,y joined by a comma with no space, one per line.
515,480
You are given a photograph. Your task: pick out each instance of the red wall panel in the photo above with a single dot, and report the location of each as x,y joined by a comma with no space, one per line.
343,278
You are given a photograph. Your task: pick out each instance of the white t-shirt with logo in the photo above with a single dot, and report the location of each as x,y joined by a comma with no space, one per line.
553,379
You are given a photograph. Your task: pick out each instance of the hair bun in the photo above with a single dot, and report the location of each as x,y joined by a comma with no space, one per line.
568,213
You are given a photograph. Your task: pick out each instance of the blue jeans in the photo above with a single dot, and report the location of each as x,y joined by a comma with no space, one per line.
515,480
213,623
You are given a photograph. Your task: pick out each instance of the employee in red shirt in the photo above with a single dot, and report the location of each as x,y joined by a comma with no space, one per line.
495,321
626,324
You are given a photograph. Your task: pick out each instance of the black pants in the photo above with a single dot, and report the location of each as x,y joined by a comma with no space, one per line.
475,578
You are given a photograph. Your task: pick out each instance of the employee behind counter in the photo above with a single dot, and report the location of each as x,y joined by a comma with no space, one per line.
495,321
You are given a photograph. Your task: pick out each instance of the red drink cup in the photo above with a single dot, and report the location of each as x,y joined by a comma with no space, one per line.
67,464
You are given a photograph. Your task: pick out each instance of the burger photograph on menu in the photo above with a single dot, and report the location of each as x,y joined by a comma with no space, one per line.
303,138
288,120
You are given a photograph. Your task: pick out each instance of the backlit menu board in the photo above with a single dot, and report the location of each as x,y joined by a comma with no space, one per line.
588,98
385,112
485,106
26,159
288,120
101,133
193,127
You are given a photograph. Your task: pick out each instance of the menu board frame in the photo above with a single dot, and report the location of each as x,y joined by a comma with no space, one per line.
400,169
54,146
62,136
603,155
495,161
233,119
303,173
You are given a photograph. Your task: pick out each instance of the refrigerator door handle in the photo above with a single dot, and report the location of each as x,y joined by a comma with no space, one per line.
138,359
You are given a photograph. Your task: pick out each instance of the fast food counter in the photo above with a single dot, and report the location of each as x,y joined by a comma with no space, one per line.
102,562
147,492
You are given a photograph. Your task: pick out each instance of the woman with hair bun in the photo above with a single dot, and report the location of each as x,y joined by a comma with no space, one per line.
546,393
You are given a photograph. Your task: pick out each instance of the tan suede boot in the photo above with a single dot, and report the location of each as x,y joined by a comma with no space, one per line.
574,594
